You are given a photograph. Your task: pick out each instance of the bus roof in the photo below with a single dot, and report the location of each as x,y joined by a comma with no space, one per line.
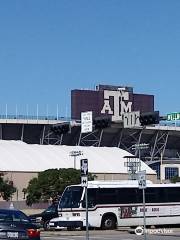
126,183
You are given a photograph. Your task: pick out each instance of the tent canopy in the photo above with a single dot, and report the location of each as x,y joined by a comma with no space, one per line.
17,156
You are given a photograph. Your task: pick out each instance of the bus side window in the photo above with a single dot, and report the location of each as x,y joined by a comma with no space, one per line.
151,195
107,196
161,195
91,198
173,194
127,195
139,195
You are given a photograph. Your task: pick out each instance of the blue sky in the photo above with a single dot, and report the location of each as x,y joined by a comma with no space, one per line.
49,47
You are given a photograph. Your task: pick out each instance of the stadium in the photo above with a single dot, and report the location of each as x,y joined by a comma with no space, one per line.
116,127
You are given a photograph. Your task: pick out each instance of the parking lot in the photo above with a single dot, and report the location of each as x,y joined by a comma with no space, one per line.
119,234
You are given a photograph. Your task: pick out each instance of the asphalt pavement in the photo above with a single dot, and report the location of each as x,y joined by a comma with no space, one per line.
166,232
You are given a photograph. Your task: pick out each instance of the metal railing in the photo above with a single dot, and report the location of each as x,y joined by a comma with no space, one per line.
33,117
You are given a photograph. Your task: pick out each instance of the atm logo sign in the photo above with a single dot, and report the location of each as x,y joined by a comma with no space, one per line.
121,104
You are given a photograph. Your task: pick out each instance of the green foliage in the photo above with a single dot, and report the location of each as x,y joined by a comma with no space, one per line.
6,188
175,179
51,183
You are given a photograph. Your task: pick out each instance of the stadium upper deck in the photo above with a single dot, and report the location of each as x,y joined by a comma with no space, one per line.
161,138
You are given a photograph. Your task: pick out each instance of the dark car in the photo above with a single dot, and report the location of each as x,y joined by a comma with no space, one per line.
42,219
14,224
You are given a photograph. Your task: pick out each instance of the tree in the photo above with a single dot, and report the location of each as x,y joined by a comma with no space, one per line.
175,179
51,183
6,188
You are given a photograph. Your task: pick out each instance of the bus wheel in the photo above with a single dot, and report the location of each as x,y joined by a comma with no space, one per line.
108,222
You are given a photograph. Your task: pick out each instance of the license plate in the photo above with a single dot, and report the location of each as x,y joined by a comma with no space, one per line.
12,234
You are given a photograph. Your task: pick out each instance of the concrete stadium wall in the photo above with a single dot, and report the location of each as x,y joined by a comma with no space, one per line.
20,181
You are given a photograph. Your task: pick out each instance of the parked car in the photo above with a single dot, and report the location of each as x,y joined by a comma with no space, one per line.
42,219
14,224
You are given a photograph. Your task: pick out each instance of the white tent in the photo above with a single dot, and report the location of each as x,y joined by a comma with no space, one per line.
21,162
17,156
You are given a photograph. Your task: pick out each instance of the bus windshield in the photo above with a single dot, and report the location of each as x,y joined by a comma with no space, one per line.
71,197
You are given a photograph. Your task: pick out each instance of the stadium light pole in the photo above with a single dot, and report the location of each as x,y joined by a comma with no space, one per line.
75,154
140,146
37,111
27,111
161,167
133,165
57,111
6,110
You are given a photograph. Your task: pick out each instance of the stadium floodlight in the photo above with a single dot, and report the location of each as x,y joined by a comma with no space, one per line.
149,118
133,165
61,128
140,146
75,154
102,122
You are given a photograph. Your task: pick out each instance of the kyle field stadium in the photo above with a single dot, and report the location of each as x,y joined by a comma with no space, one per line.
122,122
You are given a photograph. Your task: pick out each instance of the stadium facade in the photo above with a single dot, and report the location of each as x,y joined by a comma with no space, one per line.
109,100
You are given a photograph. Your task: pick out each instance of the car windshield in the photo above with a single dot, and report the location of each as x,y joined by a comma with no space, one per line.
71,197
51,208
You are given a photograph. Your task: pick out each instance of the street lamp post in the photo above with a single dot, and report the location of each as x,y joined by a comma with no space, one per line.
140,146
75,154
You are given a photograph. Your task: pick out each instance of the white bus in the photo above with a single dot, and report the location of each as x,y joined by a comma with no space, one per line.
112,204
